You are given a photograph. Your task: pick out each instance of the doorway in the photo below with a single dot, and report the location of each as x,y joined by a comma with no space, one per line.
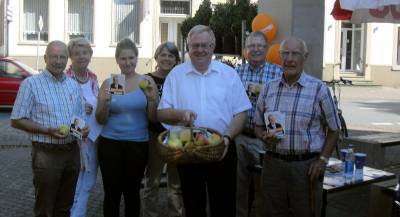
352,49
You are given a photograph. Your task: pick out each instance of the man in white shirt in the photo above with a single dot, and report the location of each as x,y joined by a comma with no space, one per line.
206,93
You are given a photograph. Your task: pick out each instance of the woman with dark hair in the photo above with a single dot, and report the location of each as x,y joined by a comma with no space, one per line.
166,56
123,143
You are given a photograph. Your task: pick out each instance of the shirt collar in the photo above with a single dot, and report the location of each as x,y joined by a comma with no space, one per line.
212,68
256,69
51,76
302,81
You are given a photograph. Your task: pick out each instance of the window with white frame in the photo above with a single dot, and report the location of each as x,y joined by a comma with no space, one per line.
125,20
32,11
80,19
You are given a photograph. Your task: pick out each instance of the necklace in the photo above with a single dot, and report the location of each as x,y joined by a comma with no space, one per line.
80,79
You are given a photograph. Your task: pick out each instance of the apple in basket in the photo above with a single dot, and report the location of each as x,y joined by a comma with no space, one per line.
200,139
185,136
214,139
174,141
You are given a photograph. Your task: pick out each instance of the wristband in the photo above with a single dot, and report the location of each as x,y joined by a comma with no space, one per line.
324,159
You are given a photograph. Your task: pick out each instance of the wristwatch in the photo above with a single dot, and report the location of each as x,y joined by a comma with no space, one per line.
324,159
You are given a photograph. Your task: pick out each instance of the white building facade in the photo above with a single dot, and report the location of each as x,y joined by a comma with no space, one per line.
361,52
103,22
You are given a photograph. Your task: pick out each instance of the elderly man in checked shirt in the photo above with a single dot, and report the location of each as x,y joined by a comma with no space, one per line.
255,74
44,103
293,166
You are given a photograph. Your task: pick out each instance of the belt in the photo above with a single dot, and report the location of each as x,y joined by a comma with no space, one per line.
293,157
55,147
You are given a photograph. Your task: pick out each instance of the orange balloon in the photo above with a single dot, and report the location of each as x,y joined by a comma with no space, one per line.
265,24
273,54
245,53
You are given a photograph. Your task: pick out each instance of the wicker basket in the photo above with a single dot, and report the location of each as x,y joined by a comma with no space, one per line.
192,153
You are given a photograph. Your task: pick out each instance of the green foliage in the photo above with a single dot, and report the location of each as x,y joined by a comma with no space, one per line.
243,10
187,24
226,20
204,13
202,16
221,21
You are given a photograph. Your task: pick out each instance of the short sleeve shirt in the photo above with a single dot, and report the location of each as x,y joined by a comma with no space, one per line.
308,108
216,95
50,102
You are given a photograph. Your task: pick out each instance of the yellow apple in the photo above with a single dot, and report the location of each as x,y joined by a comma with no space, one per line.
143,84
63,129
214,139
200,140
185,136
176,143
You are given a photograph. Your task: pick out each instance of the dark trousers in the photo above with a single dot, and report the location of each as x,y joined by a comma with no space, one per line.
217,180
122,165
287,188
55,172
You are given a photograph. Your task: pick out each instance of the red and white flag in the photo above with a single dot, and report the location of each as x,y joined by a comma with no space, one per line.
385,14
352,5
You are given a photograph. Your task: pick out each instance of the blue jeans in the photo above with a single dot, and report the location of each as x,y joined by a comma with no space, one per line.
86,180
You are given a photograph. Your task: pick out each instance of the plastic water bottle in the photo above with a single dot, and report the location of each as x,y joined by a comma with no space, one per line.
349,164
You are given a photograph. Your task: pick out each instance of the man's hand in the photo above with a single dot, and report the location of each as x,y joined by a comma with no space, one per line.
269,137
85,132
188,117
226,142
317,169
55,132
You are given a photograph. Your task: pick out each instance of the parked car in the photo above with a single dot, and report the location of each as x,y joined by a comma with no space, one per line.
12,73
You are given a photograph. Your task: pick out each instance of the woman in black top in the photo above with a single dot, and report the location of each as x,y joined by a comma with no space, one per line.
166,56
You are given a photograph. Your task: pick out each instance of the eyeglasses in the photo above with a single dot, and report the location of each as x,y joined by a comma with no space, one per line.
296,54
200,45
56,57
252,46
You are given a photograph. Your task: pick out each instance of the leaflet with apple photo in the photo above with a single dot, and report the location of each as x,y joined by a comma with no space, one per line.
275,123
117,82
76,126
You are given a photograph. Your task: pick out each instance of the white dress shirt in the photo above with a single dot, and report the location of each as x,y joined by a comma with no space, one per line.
215,96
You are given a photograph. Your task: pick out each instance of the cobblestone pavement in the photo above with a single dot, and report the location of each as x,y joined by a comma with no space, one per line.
16,188
17,193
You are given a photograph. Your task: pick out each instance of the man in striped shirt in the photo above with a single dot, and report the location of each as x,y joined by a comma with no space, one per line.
44,103
254,76
294,165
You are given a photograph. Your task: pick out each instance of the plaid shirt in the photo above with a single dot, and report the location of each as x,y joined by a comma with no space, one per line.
308,107
49,102
261,75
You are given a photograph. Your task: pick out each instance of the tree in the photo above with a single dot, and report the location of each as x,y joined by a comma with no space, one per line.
225,21
202,16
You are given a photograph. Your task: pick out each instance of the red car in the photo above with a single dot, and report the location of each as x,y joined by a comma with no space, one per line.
12,73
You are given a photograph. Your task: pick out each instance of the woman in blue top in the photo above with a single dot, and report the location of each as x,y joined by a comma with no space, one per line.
123,144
